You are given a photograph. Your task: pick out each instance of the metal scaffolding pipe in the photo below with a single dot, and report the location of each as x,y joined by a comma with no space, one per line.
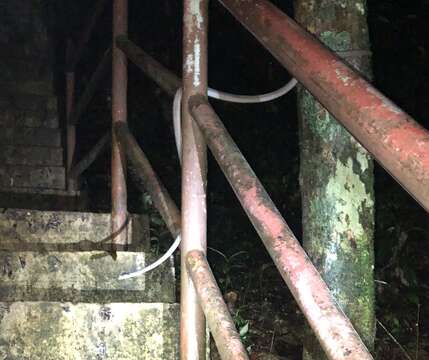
119,115
90,88
141,169
220,323
92,155
70,128
163,77
392,136
194,176
333,329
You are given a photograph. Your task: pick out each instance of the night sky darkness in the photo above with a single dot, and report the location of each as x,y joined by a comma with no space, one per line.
266,133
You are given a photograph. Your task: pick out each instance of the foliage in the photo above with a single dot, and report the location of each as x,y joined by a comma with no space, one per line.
230,266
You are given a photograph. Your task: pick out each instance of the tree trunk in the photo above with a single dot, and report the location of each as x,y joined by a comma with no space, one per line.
336,176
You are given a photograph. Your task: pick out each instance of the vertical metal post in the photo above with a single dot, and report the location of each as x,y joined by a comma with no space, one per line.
119,115
71,128
194,176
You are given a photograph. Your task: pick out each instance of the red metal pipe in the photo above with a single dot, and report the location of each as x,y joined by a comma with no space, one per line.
92,155
333,329
393,137
71,128
220,323
142,171
165,79
194,176
87,95
119,115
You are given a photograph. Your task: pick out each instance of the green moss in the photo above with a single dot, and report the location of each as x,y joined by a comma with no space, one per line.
336,41
54,331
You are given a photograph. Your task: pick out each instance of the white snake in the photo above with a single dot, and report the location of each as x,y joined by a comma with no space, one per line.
215,94
220,95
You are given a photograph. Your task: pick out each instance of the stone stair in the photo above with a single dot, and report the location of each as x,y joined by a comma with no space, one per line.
31,153
31,145
60,297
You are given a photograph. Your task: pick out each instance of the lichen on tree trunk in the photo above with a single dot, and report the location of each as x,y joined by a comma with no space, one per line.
336,176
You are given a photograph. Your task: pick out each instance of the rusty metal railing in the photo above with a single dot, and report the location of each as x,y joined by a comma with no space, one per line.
396,141
74,111
334,331
219,319
144,175
314,298
394,138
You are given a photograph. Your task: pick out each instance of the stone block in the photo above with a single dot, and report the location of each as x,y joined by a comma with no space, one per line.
63,230
16,176
43,88
22,70
31,136
83,276
64,331
31,155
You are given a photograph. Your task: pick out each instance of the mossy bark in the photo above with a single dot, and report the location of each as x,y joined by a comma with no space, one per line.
336,176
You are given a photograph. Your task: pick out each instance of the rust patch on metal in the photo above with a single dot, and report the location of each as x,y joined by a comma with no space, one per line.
216,311
354,102
334,331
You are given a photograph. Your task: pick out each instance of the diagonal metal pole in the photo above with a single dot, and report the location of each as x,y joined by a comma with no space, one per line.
333,329
119,115
396,140
194,176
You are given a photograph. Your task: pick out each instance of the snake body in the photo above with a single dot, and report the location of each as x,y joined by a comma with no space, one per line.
224,96
215,94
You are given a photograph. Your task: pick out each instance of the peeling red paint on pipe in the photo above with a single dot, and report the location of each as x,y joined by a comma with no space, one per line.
194,177
165,79
220,323
333,329
119,115
392,136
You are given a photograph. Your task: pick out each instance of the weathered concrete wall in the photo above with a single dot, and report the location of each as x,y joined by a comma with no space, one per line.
31,136
28,110
17,176
86,276
59,230
64,331
31,155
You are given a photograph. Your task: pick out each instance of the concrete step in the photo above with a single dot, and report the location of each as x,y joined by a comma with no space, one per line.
28,191
31,136
20,70
31,155
36,87
63,230
26,101
28,110
17,176
84,276
59,200
64,331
